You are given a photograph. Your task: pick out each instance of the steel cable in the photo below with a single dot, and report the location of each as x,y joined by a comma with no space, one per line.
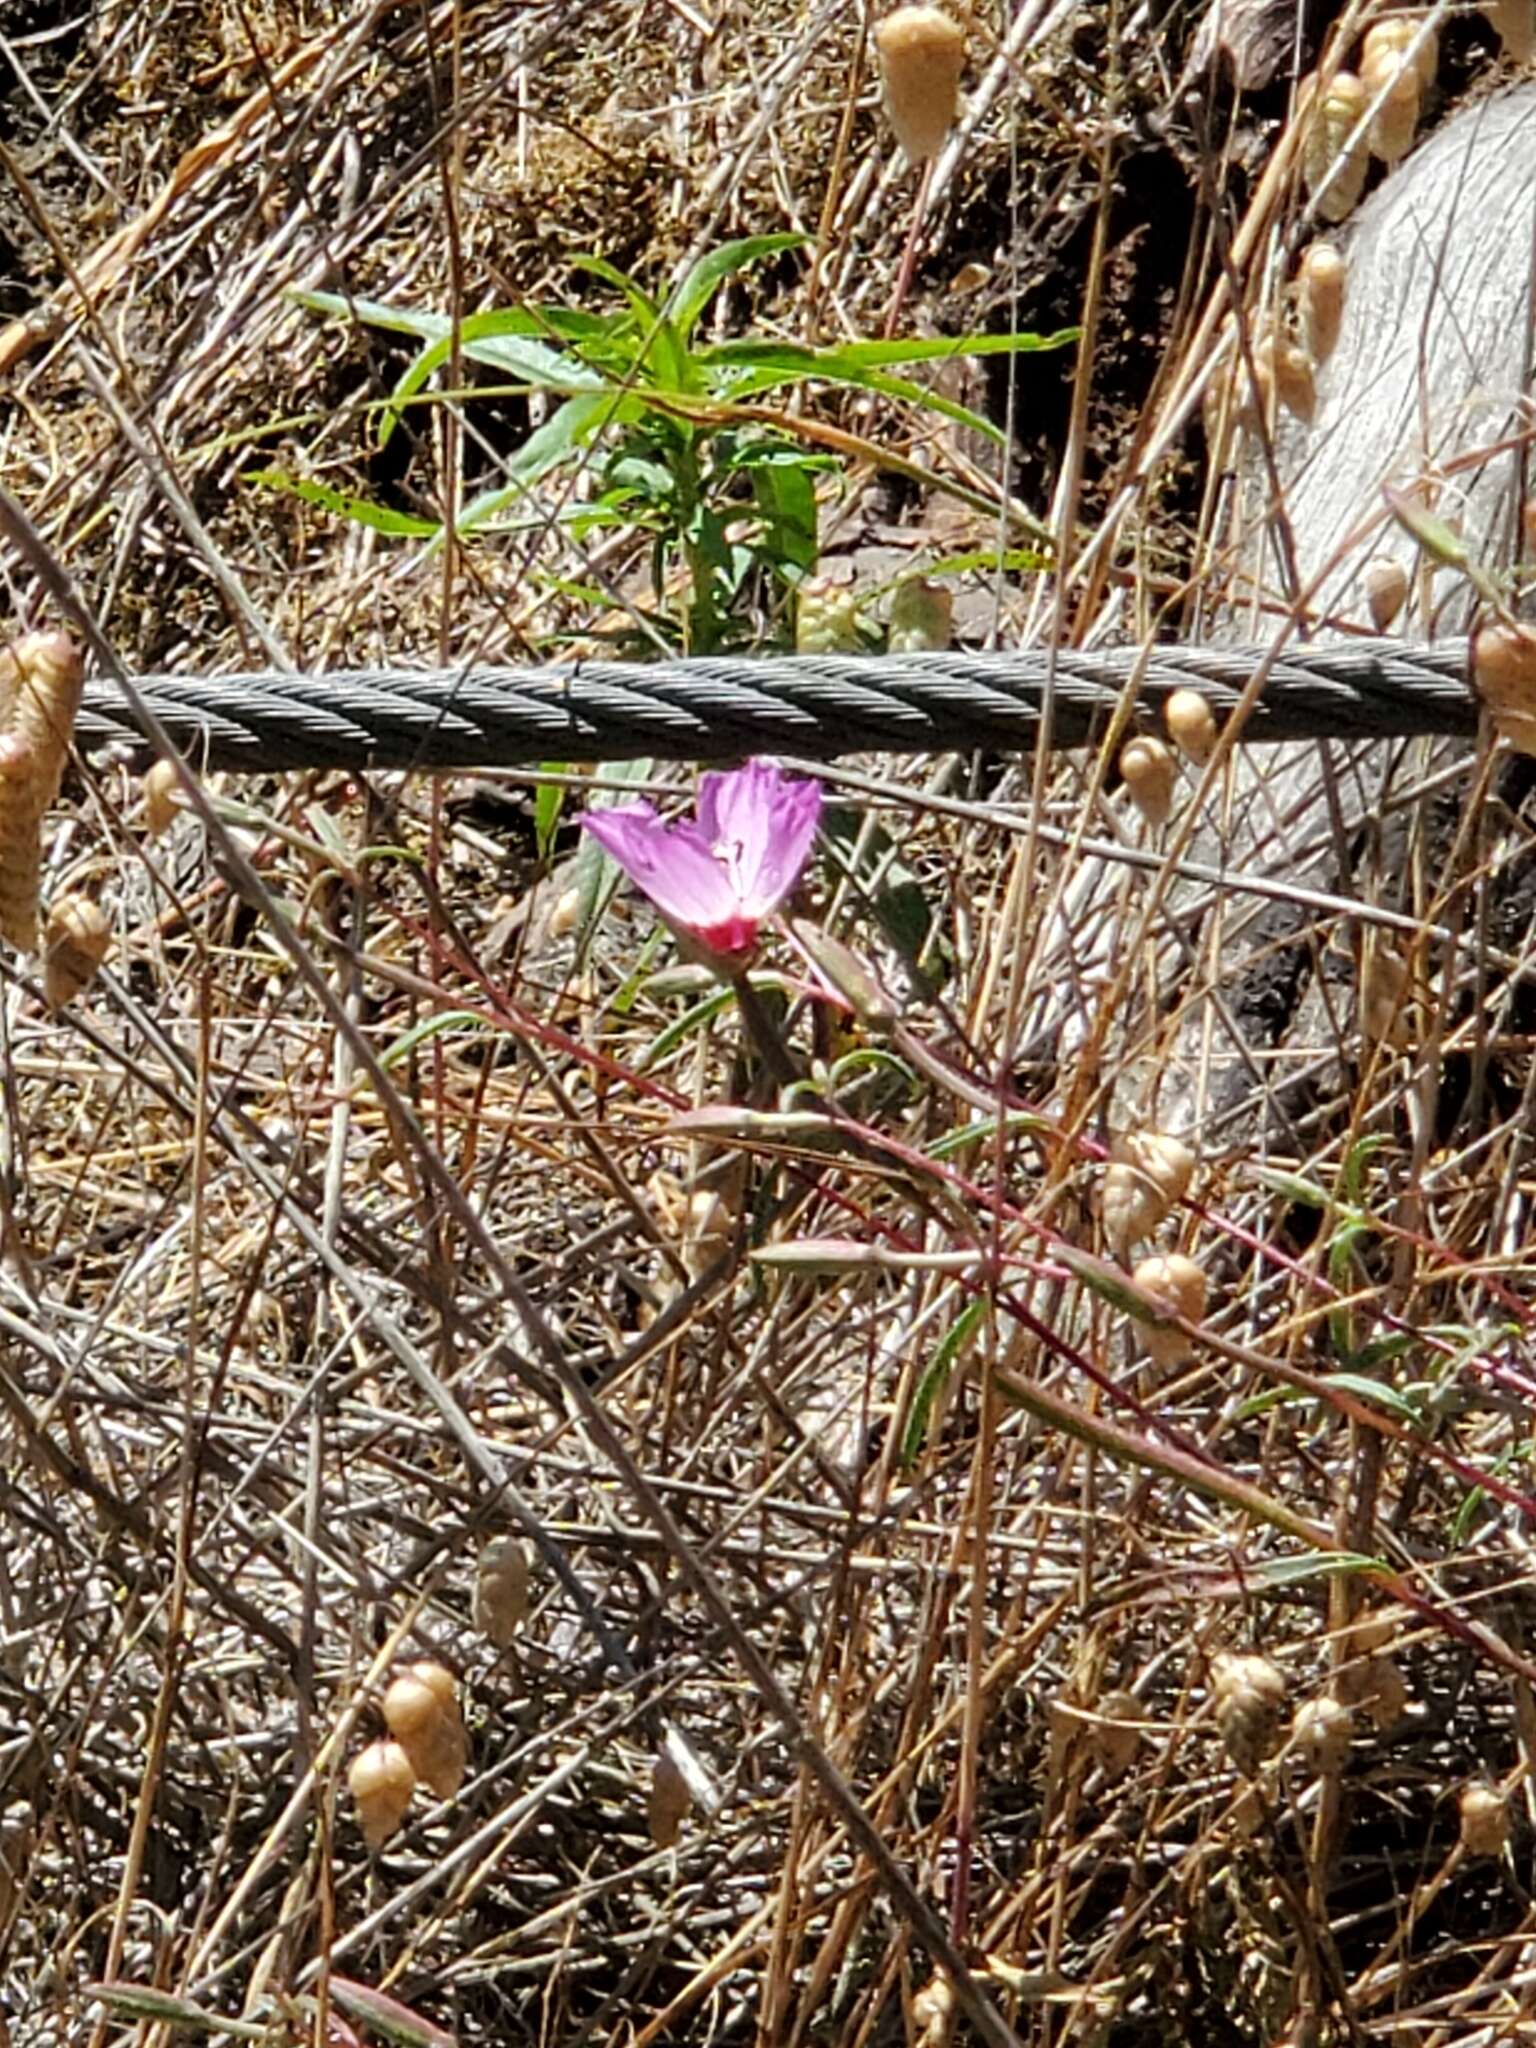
820,706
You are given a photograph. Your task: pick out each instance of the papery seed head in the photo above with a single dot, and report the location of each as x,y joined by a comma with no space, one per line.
1514,23
502,1576
411,1707
164,799
1528,509
1177,1280
1386,590
1247,1693
1504,672
381,1782
41,676
1149,772
1336,113
709,1232
668,1803
566,914
75,942
1321,299
1321,1733
922,54
1113,1736
1191,725
1385,990
1149,1173
1295,380
1484,1814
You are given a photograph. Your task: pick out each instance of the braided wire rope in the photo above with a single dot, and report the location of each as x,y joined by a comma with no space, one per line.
816,706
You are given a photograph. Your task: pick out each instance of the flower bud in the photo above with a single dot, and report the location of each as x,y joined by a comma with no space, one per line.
1385,68
922,617
922,54
826,618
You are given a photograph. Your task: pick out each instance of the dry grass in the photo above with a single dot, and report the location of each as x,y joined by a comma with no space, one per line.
346,1218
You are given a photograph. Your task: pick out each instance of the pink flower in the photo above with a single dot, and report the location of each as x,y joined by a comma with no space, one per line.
717,876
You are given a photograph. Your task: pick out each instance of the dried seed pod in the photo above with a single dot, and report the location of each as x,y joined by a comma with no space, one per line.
1328,156
1113,1735
381,1782
40,681
1191,725
1396,121
922,54
564,916
1484,1813
1504,675
1295,380
502,1573
933,2012
668,1803
76,940
1321,1732
1528,510
1514,23
1247,1693
421,1711
1149,1173
708,1234
826,618
164,799
1377,1687
1385,992
1386,590
1179,1282
1149,772
1320,299
922,617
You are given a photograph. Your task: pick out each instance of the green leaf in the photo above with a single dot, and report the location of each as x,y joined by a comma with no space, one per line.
144,2002
387,2016
850,359
548,803
684,1027
346,504
430,1027
985,1128
566,430
935,1379
694,292
485,338
1278,1572
1293,1187
666,354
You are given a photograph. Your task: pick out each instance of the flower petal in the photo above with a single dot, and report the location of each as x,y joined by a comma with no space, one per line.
761,824
673,864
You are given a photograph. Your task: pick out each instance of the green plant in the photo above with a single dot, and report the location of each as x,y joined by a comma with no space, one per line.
683,450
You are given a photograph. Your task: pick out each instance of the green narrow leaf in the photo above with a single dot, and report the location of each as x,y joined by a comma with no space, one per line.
548,806
694,292
144,2002
387,2016
935,1379
430,1027
346,504
1277,1572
